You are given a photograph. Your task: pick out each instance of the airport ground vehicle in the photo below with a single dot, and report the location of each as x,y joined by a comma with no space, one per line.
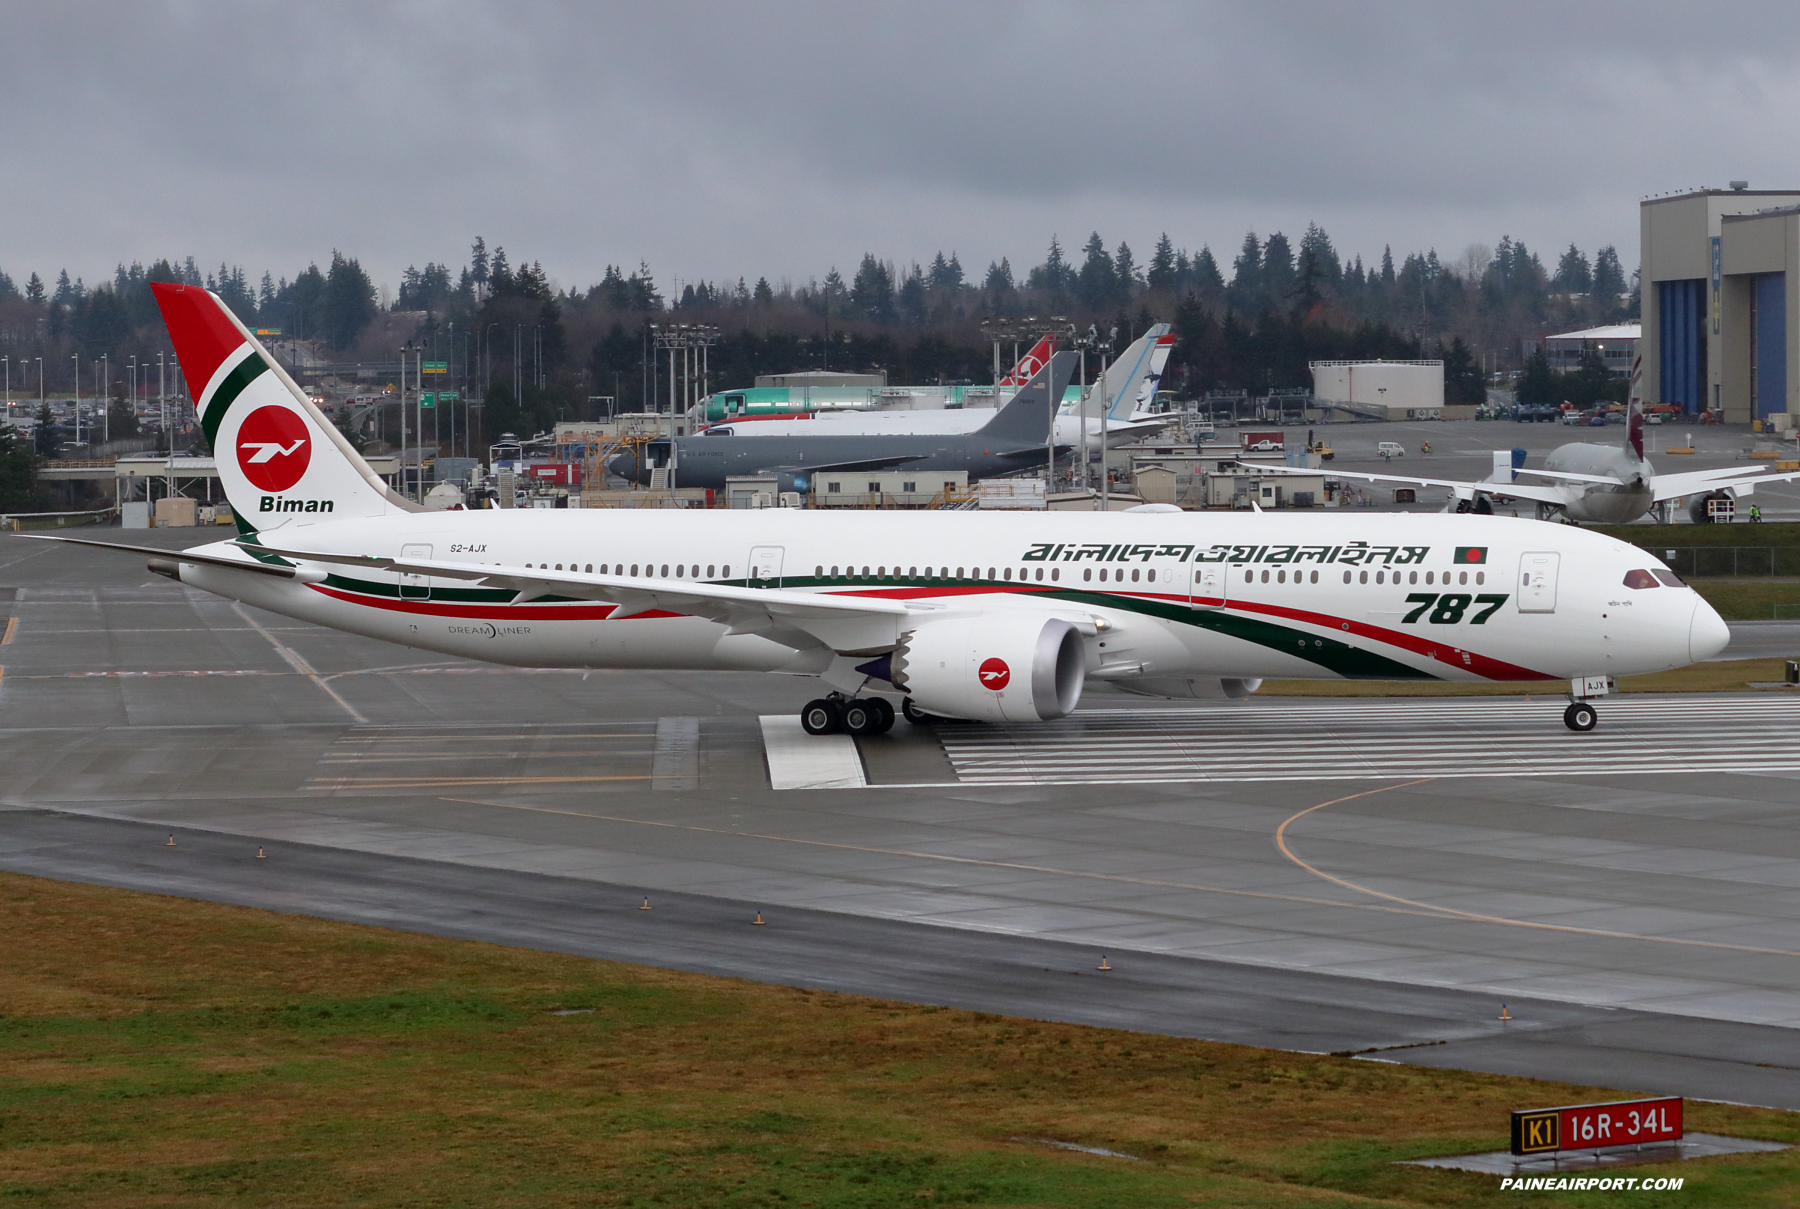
1390,449
984,616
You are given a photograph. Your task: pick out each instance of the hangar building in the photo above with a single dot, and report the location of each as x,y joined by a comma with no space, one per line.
1721,301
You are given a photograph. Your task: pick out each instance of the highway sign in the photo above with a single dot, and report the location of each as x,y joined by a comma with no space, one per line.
448,396
427,399
434,367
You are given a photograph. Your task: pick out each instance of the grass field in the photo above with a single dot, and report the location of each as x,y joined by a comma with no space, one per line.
157,1051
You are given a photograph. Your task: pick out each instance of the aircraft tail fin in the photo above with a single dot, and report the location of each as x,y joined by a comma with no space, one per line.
280,461
1028,416
1634,410
1029,364
1130,382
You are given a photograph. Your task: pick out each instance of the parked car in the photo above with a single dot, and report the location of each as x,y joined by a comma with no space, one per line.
1390,449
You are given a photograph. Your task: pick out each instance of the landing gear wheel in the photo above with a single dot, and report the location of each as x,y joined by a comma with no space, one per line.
821,717
914,714
1580,717
884,715
860,717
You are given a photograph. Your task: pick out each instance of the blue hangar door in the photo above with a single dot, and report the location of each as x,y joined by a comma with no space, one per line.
1768,344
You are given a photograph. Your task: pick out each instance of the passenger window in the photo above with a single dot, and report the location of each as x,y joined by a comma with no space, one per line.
1009,573
1428,577
1315,577
1087,574
1381,577
818,572
1040,573
1640,579
559,566
912,573
665,571
590,569
1134,575
1480,578
1249,577
1346,577
1150,575
1281,576
1102,574
1413,578
1362,577
1462,577
1055,573
678,570
634,568
1265,577
709,570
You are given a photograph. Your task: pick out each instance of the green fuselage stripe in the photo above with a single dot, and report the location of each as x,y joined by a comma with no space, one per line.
1336,656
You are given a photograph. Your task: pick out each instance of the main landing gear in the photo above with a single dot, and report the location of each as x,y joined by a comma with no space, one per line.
837,713
1580,716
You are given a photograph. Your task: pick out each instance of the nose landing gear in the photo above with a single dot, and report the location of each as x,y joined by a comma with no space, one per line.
1580,716
849,715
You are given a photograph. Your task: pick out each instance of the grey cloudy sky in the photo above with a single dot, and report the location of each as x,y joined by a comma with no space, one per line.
716,140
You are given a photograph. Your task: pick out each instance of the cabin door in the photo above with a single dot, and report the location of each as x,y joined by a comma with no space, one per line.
415,587
1208,586
765,566
1537,581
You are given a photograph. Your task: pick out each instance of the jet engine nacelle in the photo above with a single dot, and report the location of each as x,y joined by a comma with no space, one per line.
994,667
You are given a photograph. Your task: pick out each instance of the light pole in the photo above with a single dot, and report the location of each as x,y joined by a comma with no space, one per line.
77,359
105,398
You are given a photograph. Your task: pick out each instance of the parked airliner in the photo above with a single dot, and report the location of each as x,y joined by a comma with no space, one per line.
997,616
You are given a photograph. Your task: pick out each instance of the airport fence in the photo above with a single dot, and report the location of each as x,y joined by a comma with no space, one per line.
1718,562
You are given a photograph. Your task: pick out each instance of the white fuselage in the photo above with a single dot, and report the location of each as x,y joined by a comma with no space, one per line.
1201,595
1600,503
1069,426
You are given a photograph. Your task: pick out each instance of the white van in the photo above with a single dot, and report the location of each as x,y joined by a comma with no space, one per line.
1390,449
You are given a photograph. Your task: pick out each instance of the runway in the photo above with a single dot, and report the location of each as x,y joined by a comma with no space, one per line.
1348,875
1347,740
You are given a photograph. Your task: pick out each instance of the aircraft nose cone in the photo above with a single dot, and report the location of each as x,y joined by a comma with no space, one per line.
1707,633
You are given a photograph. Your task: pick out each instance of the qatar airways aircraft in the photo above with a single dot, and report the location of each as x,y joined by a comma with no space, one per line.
999,616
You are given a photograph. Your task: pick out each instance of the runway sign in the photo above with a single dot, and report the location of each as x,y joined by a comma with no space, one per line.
1591,1126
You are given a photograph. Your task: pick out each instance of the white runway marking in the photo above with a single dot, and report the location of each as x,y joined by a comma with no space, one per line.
1344,740
798,760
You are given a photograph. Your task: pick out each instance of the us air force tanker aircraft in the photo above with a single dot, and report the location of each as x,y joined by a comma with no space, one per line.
1013,438
990,616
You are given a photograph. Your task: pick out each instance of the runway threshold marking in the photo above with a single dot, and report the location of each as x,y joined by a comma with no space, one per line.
293,660
1335,741
1477,916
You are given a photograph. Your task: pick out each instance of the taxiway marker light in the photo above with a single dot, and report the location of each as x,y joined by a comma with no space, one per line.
1103,965
260,854
1504,1015
758,921
171,842
646,905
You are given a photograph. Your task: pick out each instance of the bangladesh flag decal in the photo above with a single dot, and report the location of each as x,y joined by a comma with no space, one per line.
1471,554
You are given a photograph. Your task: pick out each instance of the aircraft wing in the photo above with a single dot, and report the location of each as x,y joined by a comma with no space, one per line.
180,556
797,619
1463,489
1673,486
1571,476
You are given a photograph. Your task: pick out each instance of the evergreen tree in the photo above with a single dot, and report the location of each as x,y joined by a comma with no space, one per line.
348,304
1125,272
1387,265
1097,284
1247,269
45,434
1162,274
1572,273
872,290
1537,385
1279,278
1463,380
1207,280
478,264
66,292
1609,281
912,296
763,294
1327,270
18,475
34,290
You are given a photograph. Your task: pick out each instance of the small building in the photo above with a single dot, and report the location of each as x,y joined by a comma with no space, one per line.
1616,343
1390,390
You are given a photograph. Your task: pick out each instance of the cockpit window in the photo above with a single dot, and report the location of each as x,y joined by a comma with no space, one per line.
1639,579
1669,577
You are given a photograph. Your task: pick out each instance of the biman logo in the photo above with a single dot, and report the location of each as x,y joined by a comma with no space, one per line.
273,448
994,674
1470,554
